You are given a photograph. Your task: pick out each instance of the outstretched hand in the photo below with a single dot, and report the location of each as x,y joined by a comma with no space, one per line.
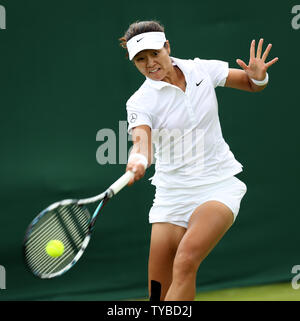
257,67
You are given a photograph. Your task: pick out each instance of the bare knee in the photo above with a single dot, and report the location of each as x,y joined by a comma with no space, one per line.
185,266
164,243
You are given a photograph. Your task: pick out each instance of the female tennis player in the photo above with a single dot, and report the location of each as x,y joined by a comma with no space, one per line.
197,195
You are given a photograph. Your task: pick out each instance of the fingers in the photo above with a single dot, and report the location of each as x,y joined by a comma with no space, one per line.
134,171
252,50
270,63
265,55
258,53
259,48
138,170
241,64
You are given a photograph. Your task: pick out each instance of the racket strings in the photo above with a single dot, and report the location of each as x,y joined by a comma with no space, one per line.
67,223
53,233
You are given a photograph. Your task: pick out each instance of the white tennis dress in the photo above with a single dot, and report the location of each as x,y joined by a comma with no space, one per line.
193,163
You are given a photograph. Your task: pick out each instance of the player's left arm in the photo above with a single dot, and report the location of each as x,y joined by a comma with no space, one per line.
256,69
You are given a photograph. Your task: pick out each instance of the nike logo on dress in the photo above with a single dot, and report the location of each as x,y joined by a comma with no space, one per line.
140,39
199,83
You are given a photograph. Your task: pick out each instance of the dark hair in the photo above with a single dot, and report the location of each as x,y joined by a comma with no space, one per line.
139,27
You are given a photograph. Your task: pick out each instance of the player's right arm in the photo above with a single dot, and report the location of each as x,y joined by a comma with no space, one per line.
141,152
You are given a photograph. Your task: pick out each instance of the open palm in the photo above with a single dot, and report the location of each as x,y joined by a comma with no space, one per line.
257,66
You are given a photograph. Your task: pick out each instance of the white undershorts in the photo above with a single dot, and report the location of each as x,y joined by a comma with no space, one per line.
176,205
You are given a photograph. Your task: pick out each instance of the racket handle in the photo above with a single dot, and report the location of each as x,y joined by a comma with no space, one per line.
121,182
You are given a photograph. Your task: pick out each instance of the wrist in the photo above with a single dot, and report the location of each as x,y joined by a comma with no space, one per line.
261,82
138,159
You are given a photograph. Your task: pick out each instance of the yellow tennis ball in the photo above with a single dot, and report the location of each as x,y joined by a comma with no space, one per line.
55,248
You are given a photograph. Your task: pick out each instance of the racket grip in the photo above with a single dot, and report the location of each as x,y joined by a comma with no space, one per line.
121,182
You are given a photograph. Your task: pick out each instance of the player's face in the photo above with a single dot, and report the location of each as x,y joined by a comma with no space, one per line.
154,64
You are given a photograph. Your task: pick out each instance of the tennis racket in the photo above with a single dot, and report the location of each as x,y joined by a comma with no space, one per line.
70,222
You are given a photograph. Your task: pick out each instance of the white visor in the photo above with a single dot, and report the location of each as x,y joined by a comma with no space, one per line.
146,40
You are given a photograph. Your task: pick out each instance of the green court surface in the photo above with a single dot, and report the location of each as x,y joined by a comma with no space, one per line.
273,292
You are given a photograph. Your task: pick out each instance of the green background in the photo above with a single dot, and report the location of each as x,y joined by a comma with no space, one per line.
63,77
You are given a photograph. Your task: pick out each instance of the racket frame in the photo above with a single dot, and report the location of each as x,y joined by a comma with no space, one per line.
103,198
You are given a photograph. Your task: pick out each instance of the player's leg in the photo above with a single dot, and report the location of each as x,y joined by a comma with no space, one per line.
208,223
165,238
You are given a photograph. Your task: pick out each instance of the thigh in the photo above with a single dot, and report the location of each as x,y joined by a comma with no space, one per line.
165,239
208,223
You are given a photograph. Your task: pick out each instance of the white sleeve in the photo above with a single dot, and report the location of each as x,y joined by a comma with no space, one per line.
136,117
217,70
